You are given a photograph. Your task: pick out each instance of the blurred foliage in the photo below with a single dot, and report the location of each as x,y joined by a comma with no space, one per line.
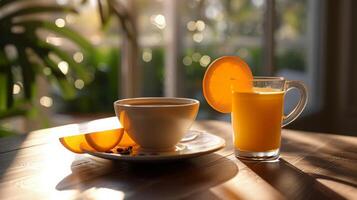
245,14
292,14
98,95
292,59
109,8
5,132
24,54
153,73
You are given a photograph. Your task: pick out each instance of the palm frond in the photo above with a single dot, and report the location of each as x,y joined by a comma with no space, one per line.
3,91
103,12
9,84
3,80
36,9
13,112
107,8
3,3
63,31
67,89
29,39
79,70
27,71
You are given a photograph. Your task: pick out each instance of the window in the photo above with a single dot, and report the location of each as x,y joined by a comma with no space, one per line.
206,29
178,39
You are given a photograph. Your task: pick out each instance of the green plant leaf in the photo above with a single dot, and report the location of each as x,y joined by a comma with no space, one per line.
69,92
103,12
12,112
36,9
5,132
3,91
30,40
9,84
66,32
67,89
121,12
42,52
27,71
4,67
5,2
78,68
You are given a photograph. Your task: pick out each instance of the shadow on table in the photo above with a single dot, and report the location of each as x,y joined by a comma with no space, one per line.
9,148
337,158
291,181
150,181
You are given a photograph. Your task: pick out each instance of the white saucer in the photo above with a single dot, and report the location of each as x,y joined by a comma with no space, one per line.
195,143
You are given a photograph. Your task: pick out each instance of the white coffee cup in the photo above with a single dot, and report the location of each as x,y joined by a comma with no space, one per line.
156,123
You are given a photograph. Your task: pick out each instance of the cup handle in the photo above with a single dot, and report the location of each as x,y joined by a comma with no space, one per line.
287,119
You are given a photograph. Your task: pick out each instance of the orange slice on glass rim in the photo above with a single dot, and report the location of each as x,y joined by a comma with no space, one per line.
222,75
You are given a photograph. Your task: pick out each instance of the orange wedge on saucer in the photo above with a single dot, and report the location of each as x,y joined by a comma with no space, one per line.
73,143
126,141
105,140
224,74
97,141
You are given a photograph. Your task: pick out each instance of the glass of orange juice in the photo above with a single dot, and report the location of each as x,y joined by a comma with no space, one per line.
257,117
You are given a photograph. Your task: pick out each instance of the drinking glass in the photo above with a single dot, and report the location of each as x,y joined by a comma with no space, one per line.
258,116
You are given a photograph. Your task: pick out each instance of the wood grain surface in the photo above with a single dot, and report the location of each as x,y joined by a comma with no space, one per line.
312,166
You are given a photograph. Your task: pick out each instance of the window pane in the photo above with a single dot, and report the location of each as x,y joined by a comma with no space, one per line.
151,25
291,35
214,28
293,47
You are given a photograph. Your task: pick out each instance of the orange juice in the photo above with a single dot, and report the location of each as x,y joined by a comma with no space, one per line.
257,118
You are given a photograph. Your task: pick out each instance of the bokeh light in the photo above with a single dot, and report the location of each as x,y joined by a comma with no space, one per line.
57,41
196,56
205,60
147,55
200,25
46,71
70,19
16,89
197,37
46,101
191,26
79,84
187,61
60,22
78,57
63,66
62,2
158,20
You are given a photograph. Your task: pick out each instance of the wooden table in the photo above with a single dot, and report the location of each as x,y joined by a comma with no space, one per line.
312,166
